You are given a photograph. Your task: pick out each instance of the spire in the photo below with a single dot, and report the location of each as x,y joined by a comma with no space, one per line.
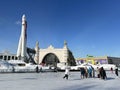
37,44
65,44
23,17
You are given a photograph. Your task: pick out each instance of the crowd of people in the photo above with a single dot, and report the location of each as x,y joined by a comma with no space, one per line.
89,72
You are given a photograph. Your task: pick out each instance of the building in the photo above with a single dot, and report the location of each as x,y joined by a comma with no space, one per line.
8,56
100,60
48,56
52,56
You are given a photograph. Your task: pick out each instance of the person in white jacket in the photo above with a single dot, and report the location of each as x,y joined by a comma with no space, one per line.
67,70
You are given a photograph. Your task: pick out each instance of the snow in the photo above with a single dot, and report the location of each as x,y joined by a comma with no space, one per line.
54,81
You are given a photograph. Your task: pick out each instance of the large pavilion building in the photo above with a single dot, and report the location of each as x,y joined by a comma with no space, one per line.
53,55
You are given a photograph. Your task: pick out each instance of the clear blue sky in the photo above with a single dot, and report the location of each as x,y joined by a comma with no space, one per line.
89,26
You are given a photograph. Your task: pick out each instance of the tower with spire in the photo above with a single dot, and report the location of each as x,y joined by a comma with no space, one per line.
65,48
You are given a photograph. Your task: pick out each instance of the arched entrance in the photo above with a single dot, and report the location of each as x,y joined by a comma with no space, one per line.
50,60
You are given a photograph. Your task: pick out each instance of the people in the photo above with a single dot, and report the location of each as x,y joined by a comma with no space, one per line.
111,69
67,70
86,72
37,69
13,69
98,72
90,72
82,70
116,71
103,73
93,72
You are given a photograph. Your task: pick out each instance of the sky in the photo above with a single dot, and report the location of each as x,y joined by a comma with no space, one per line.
90,27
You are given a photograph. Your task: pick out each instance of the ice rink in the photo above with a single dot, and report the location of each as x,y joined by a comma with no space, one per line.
54,81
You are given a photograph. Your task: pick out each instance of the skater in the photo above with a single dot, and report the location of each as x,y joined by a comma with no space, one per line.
37,69
90,72
116,71
66,73
93,72
111,69
82,70
13,69
103,73
98,72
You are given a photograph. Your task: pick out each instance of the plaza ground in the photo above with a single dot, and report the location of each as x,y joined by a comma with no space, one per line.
54,81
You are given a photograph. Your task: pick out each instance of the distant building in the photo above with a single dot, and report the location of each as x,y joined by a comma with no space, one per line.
101,60
8,56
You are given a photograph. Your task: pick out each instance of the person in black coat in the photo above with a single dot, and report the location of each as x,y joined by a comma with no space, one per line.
103,73
116,71
37,69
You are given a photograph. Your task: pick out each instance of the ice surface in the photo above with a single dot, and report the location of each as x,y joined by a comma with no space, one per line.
54,81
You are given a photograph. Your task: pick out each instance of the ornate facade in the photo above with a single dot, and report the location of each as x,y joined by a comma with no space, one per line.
52,56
